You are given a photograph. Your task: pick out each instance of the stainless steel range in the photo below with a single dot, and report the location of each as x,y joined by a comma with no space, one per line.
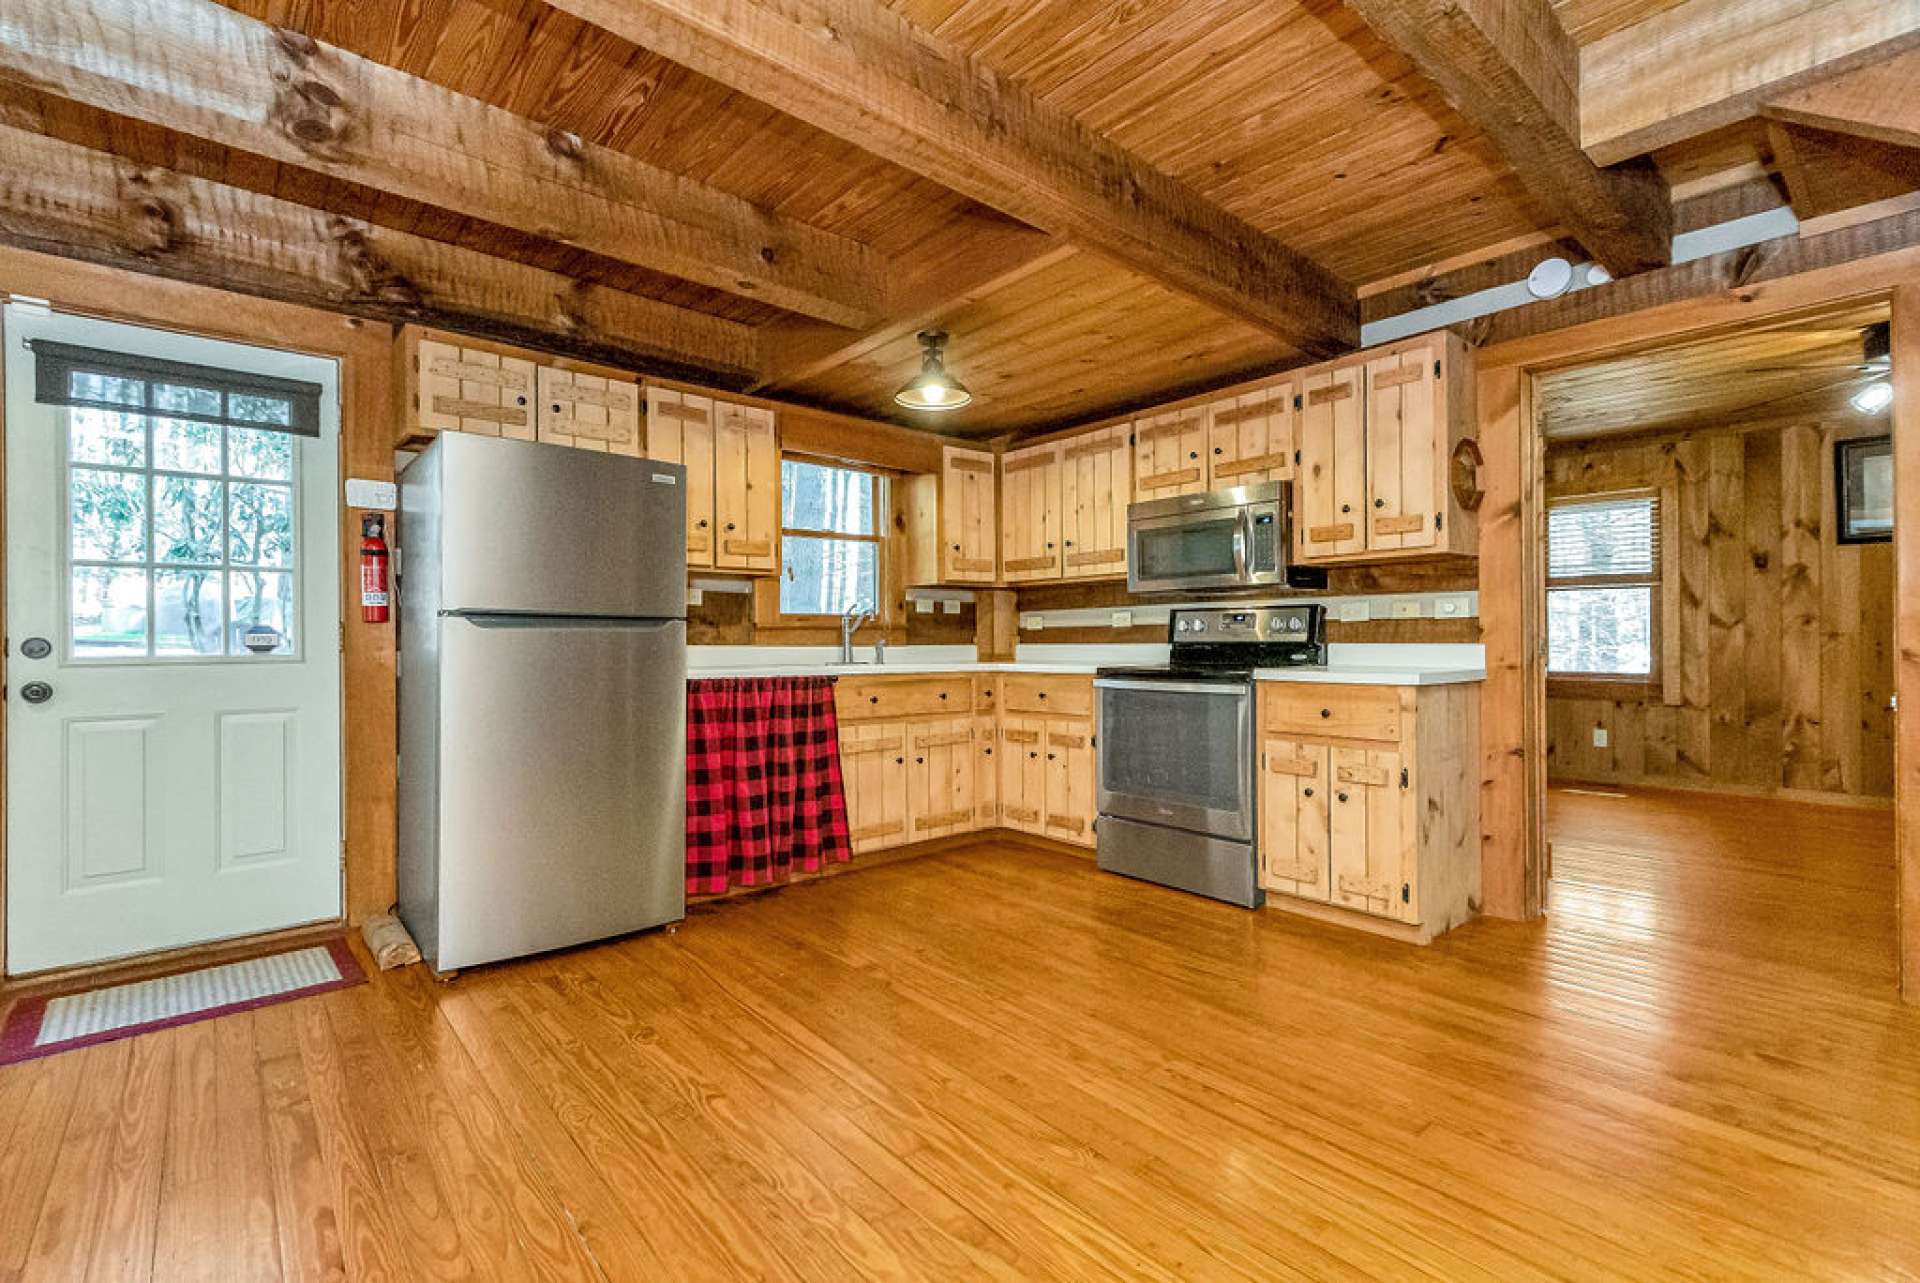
1177,754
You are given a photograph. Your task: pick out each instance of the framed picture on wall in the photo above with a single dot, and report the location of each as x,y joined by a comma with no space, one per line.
1863,489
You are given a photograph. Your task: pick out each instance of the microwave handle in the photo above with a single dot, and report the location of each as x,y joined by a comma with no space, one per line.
1242,542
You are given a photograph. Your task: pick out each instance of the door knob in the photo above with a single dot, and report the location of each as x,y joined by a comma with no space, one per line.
36,648
36,692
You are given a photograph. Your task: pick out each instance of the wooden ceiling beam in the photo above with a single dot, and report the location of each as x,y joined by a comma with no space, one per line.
1880,102
59,198
863,73
1708,63
1509,68
203,70
928,287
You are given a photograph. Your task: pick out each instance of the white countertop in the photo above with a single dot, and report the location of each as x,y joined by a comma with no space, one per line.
1350,664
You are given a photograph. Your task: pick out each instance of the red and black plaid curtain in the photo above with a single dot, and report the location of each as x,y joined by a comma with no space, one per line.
763,781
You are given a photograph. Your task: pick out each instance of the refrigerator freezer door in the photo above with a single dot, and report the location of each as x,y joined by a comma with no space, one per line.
549,530
562,771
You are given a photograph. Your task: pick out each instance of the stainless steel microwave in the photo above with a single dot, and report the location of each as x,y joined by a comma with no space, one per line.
1221,539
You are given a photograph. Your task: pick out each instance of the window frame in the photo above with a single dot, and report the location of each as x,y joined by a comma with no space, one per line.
767,611
1604,685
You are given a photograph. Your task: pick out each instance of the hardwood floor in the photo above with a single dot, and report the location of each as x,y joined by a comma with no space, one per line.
998,1063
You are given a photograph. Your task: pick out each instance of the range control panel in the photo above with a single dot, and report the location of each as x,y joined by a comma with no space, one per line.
1306,623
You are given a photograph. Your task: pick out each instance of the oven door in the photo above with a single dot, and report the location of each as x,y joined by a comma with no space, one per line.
1206,549
1178,754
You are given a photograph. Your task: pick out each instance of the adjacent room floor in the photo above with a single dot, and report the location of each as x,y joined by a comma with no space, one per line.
1000,1063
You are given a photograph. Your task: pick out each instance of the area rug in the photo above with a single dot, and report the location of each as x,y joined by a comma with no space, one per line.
44,1026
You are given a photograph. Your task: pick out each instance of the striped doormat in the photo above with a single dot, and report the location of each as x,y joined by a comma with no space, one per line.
43,1026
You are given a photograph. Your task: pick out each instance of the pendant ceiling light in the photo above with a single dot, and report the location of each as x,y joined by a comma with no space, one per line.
933,388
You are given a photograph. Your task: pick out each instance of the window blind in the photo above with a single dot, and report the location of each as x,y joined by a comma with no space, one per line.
65,374
1616,539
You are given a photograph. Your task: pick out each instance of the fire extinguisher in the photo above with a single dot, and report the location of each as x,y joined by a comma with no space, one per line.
375,597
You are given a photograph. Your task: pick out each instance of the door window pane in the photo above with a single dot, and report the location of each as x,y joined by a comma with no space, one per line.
103,436
109,515
262,529
826,576
189,612
1600,630
182,445
187,542
187,519
108,613
261,599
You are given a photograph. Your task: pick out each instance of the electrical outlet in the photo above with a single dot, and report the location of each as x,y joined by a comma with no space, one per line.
1355,612
1032,623
949,607
1600,737
922,606
1123,619
1450,608
693,596
1406,610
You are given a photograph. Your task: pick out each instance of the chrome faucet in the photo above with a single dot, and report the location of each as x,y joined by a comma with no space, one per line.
856,614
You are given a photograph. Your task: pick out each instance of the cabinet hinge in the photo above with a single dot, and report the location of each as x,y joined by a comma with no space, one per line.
1436,520
1436,369
1296,458
1406,893
1297,401
1403,777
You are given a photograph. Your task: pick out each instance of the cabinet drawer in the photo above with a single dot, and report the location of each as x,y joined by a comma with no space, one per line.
863,698
1055,696
1351,712
986,693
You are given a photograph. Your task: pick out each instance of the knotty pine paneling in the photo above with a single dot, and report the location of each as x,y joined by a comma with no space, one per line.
1785,637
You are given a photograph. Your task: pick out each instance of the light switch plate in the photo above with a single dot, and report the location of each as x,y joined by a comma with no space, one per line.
922,606
949,607
1406,610
693,596
380,496
1033,623
1123,619
1355,612
1600,737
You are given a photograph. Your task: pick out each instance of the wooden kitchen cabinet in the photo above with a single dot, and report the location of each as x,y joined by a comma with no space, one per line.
1023,774
680,430
1095,480
451,384
1331,495
1294,822
954,521
1070,806
589,411
873,773
746,488
1170,454
1370,803
1251,437
940,778
986,772
1030,514
1388,465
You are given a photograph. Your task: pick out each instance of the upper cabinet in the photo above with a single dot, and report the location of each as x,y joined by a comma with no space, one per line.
732,456
1030,520
1170,454
1388,465
452,383
954,516
1251,438
589,411
1094,471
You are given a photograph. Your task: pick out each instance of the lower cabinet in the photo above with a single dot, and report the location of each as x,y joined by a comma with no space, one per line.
1381,817
911,777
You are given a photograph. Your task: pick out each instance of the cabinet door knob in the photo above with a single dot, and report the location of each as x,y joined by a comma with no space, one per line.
956,547
989,752
729,525
943,694
702,523
1306,792
1326,712
900,761
1379,503
1032,755
1218,450
1345,507
1193,454
873,699
1341,796
1049,757
919,761
1043,694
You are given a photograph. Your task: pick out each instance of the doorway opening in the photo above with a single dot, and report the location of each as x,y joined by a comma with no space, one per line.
1718,639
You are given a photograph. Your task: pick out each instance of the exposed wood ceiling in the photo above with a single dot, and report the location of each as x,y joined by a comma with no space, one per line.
1185,192
1809,366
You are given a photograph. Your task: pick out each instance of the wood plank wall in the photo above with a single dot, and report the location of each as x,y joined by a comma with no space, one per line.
1785,637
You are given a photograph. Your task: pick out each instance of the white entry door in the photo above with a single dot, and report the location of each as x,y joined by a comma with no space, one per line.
173,668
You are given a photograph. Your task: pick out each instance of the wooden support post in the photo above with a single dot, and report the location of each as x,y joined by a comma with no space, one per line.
996,627
1906,578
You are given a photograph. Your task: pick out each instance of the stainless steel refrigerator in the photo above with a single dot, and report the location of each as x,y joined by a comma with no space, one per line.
543,601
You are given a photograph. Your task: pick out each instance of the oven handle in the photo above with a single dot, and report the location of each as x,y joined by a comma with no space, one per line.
1236,689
